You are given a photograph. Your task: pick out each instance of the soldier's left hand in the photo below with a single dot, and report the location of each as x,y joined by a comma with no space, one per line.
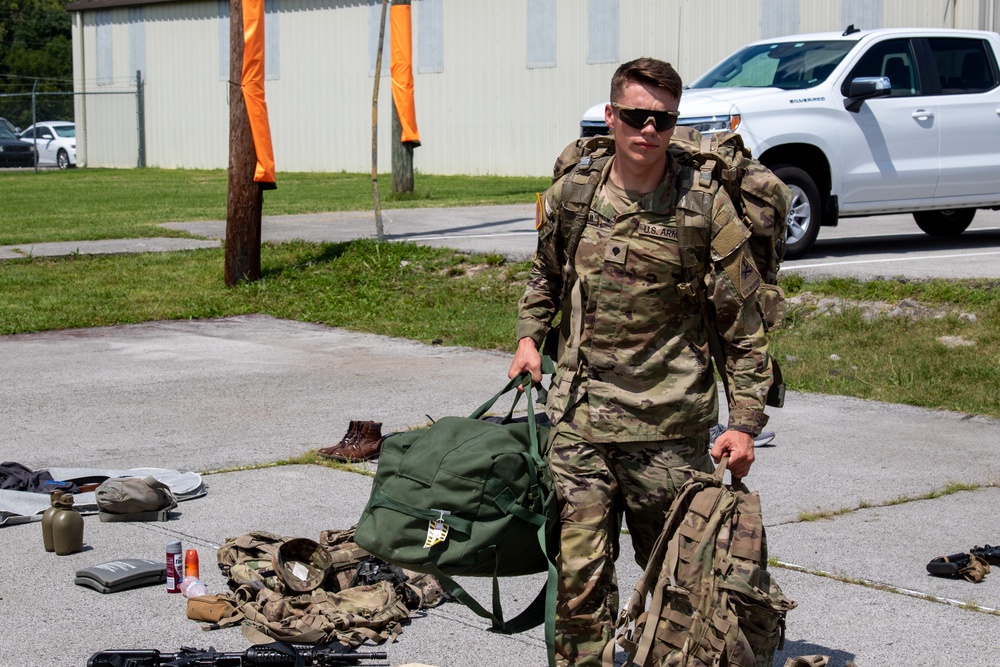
738,446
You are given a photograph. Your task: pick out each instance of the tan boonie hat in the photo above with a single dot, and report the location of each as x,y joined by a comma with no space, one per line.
302,564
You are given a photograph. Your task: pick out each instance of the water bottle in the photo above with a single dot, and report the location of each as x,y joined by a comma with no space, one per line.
191,587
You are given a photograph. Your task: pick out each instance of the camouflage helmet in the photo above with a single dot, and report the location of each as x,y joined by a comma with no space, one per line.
302,564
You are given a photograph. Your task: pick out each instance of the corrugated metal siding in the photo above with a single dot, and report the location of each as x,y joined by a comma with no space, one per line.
187,109
485,113
820,16
320,107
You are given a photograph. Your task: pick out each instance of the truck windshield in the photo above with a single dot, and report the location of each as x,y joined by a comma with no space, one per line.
787,65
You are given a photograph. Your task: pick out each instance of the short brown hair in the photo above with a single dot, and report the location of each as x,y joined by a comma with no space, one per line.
649,71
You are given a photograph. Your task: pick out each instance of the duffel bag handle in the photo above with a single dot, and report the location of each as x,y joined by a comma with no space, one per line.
521,380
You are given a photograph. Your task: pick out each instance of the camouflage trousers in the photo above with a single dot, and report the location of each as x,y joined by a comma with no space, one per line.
595,484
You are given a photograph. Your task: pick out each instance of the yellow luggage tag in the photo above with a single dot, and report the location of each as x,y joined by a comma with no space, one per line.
437,530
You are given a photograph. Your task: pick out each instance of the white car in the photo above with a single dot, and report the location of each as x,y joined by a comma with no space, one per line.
864,122
55,141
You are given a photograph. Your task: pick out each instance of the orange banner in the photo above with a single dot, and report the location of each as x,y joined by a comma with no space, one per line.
401,65
253,90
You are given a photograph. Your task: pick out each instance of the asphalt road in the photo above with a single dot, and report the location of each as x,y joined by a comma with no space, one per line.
892,245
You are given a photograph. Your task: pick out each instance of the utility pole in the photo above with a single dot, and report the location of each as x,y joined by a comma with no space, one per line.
245,199
402,157
402,153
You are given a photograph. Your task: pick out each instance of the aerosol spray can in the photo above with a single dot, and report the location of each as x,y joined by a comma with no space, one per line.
175,566
191,564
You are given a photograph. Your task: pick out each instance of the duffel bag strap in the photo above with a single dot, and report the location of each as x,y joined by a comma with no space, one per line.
522,379
379,498
542,608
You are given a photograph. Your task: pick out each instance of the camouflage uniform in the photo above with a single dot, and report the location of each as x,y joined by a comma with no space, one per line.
633,395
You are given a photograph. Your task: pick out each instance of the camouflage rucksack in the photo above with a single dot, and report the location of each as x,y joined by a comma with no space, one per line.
708,163
334,609
713,601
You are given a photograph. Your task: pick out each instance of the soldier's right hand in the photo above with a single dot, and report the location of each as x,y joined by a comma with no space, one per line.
526,360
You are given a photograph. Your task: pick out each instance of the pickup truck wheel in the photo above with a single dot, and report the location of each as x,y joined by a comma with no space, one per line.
804,213
950,222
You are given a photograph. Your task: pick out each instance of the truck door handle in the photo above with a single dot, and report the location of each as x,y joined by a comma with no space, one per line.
921,114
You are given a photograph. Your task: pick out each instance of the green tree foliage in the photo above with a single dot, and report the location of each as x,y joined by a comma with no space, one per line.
35,45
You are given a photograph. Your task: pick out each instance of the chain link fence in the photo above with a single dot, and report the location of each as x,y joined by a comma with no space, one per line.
109,123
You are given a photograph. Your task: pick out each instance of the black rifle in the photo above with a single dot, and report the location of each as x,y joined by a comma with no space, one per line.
278,653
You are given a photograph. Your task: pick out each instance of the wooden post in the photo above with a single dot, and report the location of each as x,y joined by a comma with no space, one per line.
402,158
245,199
402,154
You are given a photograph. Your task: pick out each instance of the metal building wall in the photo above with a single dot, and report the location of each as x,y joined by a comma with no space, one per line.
106,119
486,112
320,105
186,105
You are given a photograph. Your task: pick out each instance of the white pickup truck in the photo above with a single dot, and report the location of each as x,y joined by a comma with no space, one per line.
862,123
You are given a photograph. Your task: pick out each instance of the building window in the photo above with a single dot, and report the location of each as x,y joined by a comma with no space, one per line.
541,34
602,31
430,36
224,40
374,25
105,60
779,18
271,53
137,41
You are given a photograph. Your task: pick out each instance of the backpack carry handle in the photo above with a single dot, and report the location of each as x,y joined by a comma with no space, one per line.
720,473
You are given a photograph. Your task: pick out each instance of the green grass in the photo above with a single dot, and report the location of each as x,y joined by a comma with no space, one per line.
394,289
897,360
91,204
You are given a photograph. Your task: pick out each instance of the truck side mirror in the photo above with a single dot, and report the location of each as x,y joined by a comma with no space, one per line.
866,88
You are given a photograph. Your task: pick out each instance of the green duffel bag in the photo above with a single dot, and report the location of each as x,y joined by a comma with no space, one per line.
468,497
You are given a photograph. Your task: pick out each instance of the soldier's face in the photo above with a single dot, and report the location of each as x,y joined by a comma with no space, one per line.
641,147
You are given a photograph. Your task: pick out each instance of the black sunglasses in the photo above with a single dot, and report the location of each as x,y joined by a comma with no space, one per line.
639,118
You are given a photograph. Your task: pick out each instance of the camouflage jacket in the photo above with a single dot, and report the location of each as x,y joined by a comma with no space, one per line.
641,357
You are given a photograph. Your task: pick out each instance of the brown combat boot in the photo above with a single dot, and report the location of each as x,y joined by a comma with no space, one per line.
349,437
361,444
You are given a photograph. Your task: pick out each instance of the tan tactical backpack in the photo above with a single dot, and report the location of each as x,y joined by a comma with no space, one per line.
708,163
712,600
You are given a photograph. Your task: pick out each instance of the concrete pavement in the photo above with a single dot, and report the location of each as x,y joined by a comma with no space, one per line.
214,395
225,394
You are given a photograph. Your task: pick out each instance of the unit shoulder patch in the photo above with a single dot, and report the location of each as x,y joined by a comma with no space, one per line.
749,277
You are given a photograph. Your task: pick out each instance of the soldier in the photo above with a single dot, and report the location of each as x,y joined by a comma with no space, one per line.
633,395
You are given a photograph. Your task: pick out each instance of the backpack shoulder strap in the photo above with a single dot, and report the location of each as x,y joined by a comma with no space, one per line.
698,188
578,190
579,186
